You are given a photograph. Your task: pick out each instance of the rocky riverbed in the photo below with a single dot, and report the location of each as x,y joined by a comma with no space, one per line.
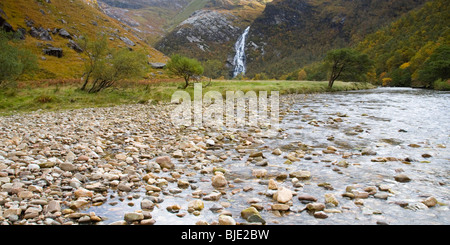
330,163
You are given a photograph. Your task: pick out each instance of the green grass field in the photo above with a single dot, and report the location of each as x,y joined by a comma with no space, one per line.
68,96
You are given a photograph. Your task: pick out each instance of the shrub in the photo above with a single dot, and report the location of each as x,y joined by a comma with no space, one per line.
14,61
443,85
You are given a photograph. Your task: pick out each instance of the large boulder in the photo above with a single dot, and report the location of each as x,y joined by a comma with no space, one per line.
41,34
57,52
63,33
127,41
73,45
157,65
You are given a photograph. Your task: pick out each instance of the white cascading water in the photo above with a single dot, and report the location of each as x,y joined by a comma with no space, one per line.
239,58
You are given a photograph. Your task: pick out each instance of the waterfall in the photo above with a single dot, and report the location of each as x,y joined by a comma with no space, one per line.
239,58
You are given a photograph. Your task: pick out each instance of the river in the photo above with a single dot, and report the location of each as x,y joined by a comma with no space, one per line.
374,135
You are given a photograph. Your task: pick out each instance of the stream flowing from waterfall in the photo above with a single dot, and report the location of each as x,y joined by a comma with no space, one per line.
239,58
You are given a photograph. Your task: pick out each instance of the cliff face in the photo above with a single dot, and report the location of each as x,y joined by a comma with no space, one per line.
210,33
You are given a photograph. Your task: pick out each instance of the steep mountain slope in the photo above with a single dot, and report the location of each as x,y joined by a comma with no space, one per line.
55,26
292,33
400,49
211,32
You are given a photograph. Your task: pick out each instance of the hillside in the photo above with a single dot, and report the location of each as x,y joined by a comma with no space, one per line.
56,25
149,19
401,49
211,32
292,33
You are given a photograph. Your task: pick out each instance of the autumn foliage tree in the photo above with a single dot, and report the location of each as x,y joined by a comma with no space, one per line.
347,64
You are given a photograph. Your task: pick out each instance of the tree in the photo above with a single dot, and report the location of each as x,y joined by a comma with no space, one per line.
436,67
301,75
122,64
348,64
104,66
14,61
96,52
184,67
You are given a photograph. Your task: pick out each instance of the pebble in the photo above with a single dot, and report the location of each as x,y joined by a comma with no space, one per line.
430,202
70,160
320,215
219,180
165,162
315,206
402,178
272,185
283,195
306,198
133,216
330,198
301,175
226,220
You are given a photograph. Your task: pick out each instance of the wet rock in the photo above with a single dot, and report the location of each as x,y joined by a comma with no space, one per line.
147,204
81,192
272,185
133,216
368,152
306,198
416,206
360,194
320,215
124,187
277,152
430,202
283,195
330,198
213,196
280,207
315,206
426,155
219,180
165,162
256,154
174,208
259,173
226,220
402,178
148,222
381,196
196,205
301,175
252,215
183,184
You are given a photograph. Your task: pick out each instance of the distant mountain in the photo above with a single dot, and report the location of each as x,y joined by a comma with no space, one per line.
149,19
292,33
51,30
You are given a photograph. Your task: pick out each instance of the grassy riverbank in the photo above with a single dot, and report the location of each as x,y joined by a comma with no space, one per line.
66,95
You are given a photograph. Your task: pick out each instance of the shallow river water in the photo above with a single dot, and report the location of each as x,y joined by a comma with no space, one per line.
399,130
